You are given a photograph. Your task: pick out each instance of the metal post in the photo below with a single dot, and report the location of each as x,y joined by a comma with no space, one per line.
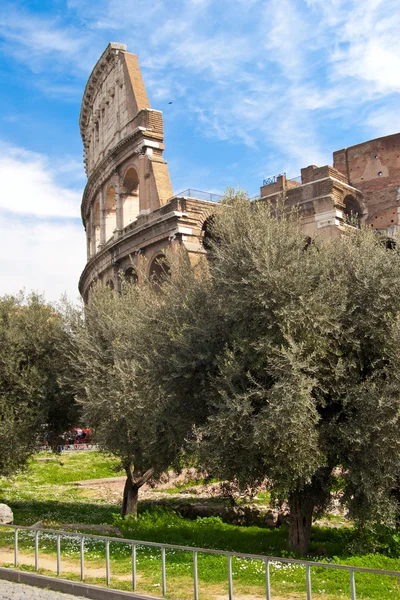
230,587
82,558
36,550
352,586
163,573
195,577
58,554
267,581
107,562
15,547
134,567
308,580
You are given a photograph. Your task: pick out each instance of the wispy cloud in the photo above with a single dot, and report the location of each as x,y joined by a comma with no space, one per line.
40,255
42,242
42,43
37,192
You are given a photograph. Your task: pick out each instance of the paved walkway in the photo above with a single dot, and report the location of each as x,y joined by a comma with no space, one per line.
19,591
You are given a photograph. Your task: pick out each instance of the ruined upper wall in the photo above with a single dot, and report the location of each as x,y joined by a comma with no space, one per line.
374,168
113,98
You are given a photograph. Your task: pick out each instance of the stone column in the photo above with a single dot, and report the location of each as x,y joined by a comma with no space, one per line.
88,240
118,204
120,216
102,218
92,232
117,279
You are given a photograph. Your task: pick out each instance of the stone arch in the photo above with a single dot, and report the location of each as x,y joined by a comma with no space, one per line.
130,275
110,213
158,270
352,210
207,236
131,198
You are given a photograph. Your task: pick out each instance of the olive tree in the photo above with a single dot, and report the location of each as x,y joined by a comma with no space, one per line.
119,345
281,358
309,377
33,396
275,358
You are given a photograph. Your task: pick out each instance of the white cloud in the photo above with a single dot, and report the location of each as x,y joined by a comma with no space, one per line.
287,35
28,186
44,44
364,42
385,121
45,256
42,241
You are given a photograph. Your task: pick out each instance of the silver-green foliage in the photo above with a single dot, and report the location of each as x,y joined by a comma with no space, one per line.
278,357
33,398
309,377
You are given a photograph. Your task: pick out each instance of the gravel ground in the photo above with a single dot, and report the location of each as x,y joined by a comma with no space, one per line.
19,591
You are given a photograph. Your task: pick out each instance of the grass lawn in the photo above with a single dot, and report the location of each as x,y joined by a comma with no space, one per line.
44,492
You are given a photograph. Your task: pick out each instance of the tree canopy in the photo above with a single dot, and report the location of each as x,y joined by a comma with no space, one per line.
275,358
33,397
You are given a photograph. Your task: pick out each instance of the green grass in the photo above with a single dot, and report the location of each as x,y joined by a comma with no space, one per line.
67,468
44,492
248,575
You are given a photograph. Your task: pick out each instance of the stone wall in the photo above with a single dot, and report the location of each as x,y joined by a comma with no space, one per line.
374,168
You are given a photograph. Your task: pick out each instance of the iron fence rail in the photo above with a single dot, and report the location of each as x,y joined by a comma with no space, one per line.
267,560
199,195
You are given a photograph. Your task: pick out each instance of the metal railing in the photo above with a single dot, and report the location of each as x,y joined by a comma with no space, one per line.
199,195
134,544
273,179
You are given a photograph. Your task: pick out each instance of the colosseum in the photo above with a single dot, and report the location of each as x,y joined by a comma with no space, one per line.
129,209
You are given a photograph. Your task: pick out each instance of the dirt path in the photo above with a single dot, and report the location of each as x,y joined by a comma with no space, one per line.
73,567
50,564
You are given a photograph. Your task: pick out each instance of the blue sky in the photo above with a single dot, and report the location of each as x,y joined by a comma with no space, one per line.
258,87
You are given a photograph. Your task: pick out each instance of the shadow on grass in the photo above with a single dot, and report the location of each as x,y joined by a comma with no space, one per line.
165,526
28,512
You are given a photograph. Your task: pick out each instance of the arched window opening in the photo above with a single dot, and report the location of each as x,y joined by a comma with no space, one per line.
97,225
110,284
390,243
308,241
110,213
159,271
207,234
352,211
130,275
131,202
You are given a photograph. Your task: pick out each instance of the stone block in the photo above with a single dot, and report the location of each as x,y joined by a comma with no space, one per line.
6,515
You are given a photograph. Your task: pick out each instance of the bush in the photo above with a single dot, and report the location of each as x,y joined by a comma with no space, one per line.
376,539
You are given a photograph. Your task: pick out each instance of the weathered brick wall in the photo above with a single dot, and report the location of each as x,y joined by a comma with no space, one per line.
374,168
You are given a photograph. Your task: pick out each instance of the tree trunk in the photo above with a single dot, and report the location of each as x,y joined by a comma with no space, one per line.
300,519
130,498
131,491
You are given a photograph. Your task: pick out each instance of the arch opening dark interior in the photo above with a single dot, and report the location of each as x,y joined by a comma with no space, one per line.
352,211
